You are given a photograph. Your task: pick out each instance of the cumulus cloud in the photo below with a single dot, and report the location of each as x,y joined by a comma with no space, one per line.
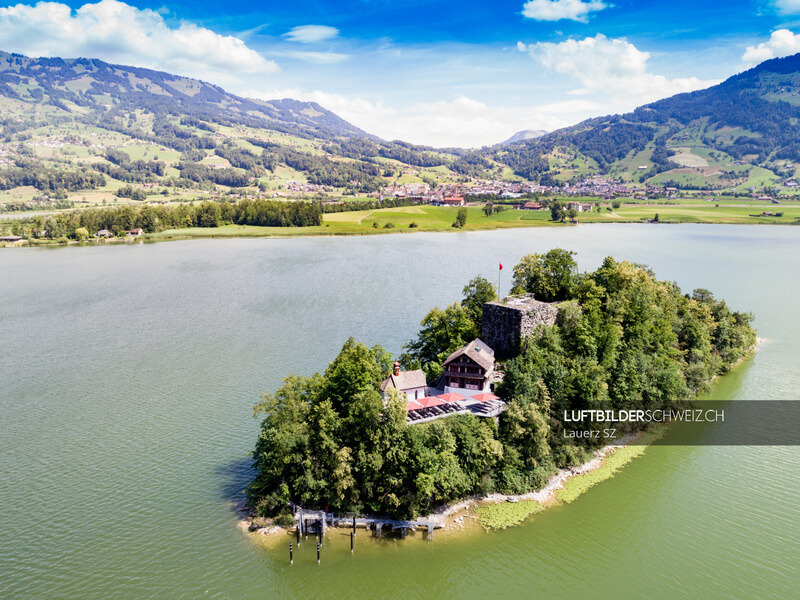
120,33
781,43
557,10
612,68
311,34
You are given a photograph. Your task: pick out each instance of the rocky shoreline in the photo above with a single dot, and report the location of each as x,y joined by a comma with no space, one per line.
454,517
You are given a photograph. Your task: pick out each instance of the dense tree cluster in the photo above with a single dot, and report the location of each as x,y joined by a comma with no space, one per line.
266,213
623,340
27,171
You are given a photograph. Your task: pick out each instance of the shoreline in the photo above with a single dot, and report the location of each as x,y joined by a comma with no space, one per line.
562,487
211,235
454,518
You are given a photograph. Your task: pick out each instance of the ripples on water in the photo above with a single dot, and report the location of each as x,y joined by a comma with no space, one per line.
129,373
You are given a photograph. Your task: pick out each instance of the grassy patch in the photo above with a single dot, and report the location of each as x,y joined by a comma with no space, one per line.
576,485
506,514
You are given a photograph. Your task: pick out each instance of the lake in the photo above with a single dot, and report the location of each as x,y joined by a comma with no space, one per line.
128,376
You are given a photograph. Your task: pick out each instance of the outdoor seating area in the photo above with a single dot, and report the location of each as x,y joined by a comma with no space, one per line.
438,407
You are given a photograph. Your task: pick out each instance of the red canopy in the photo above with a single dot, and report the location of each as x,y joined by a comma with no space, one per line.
413,405
485,397
452,397
430,401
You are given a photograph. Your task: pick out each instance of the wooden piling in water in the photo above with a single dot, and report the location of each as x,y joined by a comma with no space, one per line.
291,557
317,552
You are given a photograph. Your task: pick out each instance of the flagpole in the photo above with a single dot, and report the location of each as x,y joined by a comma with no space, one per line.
499,270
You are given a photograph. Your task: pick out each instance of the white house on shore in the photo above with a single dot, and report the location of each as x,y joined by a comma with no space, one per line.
412,383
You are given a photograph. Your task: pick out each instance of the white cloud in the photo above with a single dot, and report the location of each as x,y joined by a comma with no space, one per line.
610,68
787,7
557,10
463,121
320,58
120,33
310,34
781,43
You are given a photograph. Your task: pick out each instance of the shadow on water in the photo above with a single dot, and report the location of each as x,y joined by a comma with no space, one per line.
234,478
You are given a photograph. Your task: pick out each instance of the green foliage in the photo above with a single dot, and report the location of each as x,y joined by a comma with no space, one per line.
461,218
624,341
443,332
549,277
477,293
158,218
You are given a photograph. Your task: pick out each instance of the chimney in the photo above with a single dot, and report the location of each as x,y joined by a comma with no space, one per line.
396,368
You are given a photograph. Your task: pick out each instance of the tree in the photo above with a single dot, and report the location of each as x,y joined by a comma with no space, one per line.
443,332
81,234
549,277
477,293
557,211
356,369
461,218
208,214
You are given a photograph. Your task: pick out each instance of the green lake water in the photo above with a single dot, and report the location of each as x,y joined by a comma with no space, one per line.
128,374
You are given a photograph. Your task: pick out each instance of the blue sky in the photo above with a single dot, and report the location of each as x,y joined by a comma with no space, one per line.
427,71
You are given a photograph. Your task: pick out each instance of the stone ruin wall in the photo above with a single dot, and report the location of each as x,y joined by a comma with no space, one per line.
505,326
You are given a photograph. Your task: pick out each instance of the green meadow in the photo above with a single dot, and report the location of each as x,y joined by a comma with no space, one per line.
440,218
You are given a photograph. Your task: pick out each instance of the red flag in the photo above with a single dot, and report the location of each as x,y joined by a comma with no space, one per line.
501,266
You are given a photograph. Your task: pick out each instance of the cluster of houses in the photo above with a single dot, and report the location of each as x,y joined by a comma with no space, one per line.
453,194
130,233
465,386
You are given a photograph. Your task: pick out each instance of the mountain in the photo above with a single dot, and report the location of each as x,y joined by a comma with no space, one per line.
525,134
83,125
742,133
103,131
91,89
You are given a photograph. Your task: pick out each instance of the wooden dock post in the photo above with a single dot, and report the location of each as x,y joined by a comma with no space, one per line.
291,557
354,525
317,552
352,539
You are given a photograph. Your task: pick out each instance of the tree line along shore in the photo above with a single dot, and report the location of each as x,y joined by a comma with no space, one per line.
622,339
259,217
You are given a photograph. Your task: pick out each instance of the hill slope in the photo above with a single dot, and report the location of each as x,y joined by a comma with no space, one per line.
72,125
93,89
743,132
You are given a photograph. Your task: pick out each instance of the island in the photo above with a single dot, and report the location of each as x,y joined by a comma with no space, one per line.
476,403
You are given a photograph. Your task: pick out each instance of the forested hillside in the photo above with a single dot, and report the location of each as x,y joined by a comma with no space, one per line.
82,125
744,131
